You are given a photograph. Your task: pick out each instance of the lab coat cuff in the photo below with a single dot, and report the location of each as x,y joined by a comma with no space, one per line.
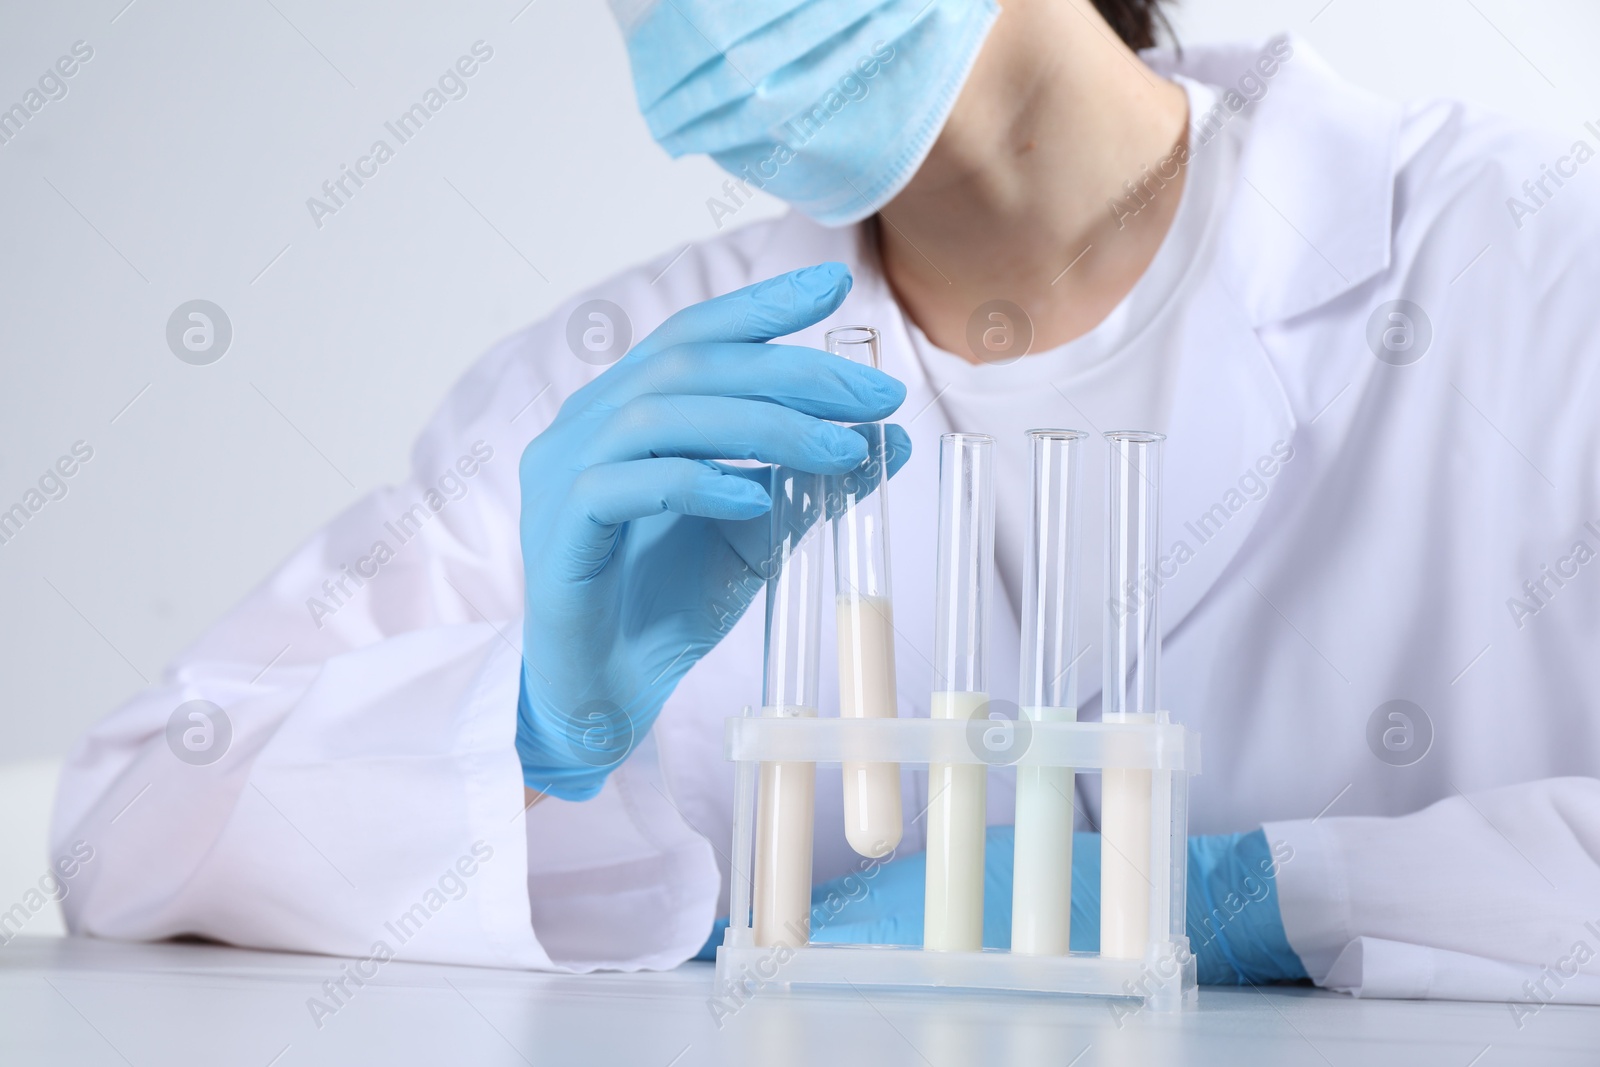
505,914
381,815
620,882
1377,968
1313,893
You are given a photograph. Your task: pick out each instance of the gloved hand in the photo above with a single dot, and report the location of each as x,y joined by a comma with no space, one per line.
1234,927
640,550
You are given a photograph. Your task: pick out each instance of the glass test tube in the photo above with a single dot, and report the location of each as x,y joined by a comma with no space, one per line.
1041,901
862,601
785,802
953,918
1132,684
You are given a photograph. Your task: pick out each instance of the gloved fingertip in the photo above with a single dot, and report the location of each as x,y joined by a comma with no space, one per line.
788,302
745,497
827,275
825,285
849,452
894,390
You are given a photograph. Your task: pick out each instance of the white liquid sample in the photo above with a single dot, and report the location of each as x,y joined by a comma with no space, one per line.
1125,859
953,918
872,817
785,815
1041,879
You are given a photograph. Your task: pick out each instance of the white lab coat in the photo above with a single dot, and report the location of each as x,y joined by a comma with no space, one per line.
376,748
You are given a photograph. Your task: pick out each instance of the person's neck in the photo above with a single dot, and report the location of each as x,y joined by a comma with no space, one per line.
1014,203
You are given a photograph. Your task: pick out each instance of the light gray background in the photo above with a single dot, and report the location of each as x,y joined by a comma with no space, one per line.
179,165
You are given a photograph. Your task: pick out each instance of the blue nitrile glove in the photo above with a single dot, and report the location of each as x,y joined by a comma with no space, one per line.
882,903
1235,930
640,550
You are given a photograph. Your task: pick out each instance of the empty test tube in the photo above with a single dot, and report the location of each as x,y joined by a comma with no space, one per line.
953,918
1132,684
865,610
785,803
1041,901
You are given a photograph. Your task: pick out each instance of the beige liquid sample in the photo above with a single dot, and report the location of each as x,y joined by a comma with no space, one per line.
1041,901
873,823
785,807
1125,859
953,918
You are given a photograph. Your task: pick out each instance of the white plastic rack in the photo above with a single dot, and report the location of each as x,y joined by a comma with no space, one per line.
1164,980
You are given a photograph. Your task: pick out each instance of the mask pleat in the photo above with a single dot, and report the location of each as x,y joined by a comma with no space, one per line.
828,104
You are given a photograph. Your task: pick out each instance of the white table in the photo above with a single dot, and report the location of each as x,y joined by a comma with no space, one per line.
70,1001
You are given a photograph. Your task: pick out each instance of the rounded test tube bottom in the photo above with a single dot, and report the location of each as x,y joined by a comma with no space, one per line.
873,823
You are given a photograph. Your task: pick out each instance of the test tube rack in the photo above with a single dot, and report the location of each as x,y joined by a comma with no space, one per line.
1164,980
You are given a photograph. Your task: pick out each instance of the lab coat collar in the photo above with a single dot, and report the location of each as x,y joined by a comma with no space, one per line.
1228,434
1311,215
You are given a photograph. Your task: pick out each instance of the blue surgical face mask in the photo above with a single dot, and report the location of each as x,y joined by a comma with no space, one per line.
829,104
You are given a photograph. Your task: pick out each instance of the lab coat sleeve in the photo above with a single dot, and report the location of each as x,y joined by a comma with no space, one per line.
1482,896
369,798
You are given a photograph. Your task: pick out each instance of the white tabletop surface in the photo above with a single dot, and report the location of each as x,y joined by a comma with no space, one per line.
71,1001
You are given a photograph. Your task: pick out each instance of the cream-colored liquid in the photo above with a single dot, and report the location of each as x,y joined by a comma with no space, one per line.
1041,881
872,818
953,918
1125,860
785,816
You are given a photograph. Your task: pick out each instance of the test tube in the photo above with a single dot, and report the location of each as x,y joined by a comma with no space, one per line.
953,917
865,610
1131,684
1041,886
785,804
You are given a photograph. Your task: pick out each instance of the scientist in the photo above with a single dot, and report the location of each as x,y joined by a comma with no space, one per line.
1367,330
